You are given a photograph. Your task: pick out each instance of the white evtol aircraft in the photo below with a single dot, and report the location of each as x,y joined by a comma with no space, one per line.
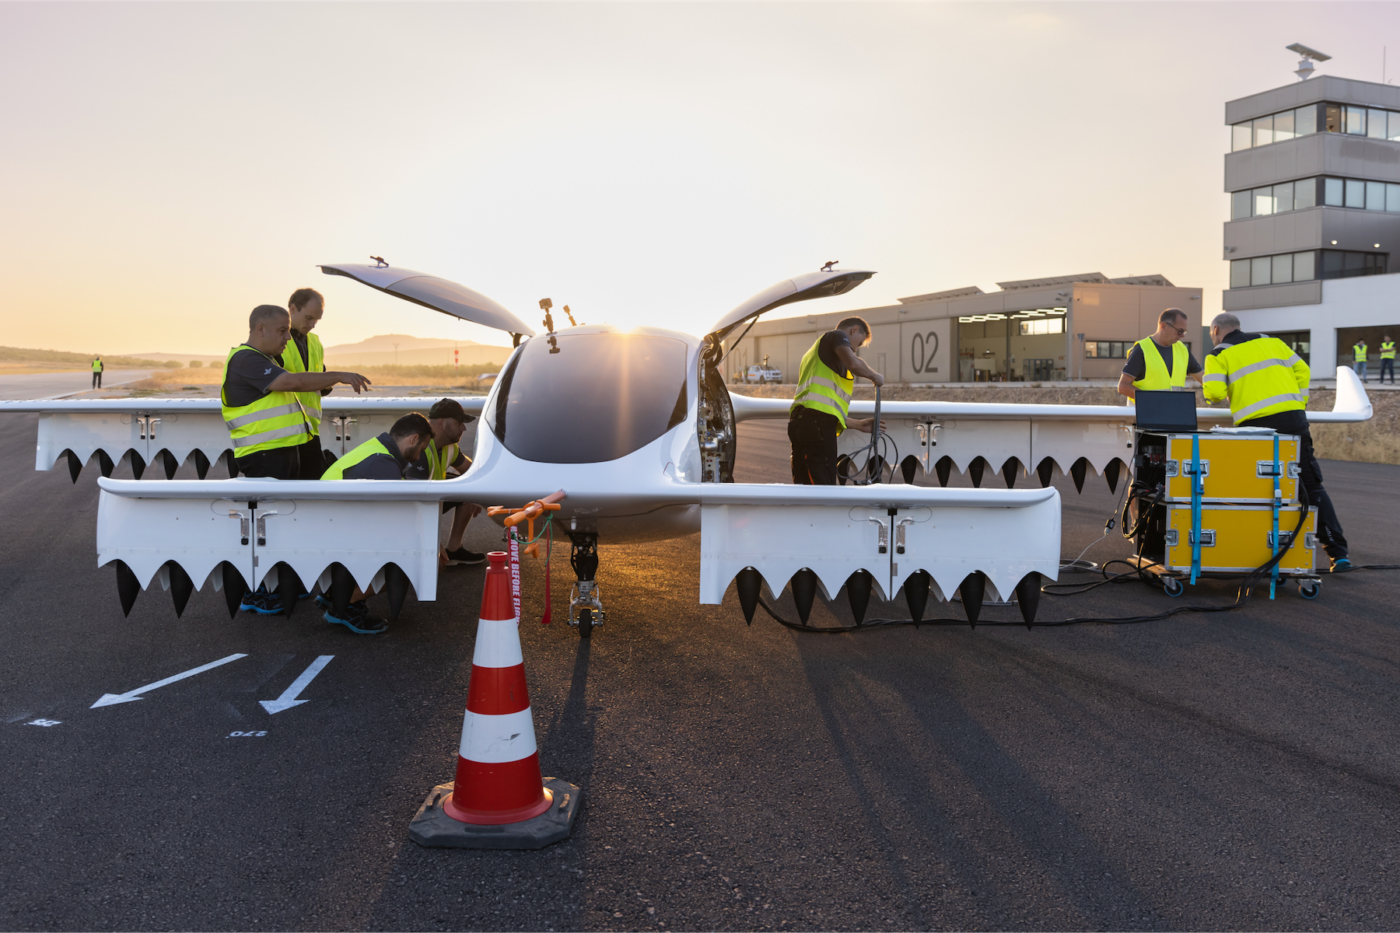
637,427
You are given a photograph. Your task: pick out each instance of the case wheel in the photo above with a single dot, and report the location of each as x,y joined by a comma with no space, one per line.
1172,586
1310,589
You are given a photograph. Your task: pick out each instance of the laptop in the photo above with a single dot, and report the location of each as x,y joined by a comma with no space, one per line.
1166,412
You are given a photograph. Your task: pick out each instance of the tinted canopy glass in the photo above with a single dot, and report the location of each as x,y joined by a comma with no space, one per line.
589,397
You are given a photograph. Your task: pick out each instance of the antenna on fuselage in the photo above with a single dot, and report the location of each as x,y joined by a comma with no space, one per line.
545,305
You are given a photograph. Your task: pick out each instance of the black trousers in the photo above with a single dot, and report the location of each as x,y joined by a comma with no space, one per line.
278,463
97,379
813,436
1388,366
1329,529
311,461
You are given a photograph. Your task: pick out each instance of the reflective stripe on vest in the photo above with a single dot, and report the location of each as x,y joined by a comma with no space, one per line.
821,388
438,463
1155,377
316,362
366,450
1261,377
97,366
1388,350
1359,352
275,420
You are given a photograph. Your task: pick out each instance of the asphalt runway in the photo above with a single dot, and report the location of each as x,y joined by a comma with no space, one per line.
62,385
1204,772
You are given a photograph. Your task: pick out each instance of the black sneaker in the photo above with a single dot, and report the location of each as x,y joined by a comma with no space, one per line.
463,556
262,602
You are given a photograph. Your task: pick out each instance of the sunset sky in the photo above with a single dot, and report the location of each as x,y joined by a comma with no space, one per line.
168,166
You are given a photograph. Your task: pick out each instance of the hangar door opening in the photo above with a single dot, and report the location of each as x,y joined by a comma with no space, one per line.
1016,346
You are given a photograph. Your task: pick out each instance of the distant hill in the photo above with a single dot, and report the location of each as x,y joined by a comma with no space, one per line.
81,360
414,351
384,343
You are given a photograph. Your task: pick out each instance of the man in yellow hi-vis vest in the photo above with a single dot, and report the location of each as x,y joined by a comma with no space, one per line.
1162,361
304,354
97,372
1267,386
818,412
1387,358
266,421
1359,351
448,420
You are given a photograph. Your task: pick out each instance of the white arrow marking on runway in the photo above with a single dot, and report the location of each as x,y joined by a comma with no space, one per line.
288,699
110,699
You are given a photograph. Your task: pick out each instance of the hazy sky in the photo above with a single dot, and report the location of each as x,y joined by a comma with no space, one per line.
166,167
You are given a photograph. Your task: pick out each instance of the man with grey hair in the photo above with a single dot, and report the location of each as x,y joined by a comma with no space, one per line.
1267,386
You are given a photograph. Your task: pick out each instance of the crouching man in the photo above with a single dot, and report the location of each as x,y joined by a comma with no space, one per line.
382,457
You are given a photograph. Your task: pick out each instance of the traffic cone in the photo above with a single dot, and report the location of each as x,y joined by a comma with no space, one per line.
499,800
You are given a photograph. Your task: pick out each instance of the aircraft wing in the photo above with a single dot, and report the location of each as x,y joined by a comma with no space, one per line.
1017,440
227,531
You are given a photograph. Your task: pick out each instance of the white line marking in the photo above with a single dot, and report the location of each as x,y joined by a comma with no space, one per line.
288,699
111,699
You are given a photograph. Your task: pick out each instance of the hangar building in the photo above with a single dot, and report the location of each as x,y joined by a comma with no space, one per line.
1035,330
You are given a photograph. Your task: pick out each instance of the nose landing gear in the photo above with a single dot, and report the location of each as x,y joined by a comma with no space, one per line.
585,604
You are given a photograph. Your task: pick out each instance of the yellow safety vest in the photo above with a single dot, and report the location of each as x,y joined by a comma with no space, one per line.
363,452
438,462
1260,377
1359,351
291,362
1155,377
1388,350
821,388
97,366
275,420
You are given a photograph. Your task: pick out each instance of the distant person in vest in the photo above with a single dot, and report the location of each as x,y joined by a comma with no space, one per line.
1161,362
303,354
387,456
1387,358
818,414
1358,354
443,454
1267,385
97,372
265,417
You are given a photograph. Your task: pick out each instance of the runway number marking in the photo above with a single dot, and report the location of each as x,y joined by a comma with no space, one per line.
44,722
111,699
246,735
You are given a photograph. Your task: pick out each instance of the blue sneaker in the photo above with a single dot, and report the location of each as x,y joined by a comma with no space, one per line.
262,602
323,602
1341,565
358,621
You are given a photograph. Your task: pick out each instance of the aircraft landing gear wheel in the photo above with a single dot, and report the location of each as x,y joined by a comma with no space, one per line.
585,623
1173,586
1309,590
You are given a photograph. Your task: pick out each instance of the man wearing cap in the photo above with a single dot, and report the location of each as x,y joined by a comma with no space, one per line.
448,421
266,421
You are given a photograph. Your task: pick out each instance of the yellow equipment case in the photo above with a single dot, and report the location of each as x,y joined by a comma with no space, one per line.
1238,538
1236,468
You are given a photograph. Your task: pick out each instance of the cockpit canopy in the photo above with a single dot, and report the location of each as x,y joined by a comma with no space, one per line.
588,398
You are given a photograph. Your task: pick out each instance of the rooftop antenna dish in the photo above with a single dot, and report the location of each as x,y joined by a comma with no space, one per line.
1305,67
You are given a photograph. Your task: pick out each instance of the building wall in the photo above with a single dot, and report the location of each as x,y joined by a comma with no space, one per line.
1371,301
1121,312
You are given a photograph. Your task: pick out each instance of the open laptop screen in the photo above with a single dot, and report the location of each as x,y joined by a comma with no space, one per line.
1166,412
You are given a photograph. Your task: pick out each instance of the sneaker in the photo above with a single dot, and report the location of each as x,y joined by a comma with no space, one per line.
358,621
463,556
1341,565
262,602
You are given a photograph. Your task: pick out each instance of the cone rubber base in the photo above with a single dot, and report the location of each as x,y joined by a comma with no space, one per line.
433,828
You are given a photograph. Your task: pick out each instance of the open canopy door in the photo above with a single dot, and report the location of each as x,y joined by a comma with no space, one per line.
438,294
798,288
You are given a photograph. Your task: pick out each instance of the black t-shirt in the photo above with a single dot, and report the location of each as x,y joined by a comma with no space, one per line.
1136,365
247,377
826,350
380,466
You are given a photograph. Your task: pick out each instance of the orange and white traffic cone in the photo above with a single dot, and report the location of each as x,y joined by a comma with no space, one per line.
499,800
